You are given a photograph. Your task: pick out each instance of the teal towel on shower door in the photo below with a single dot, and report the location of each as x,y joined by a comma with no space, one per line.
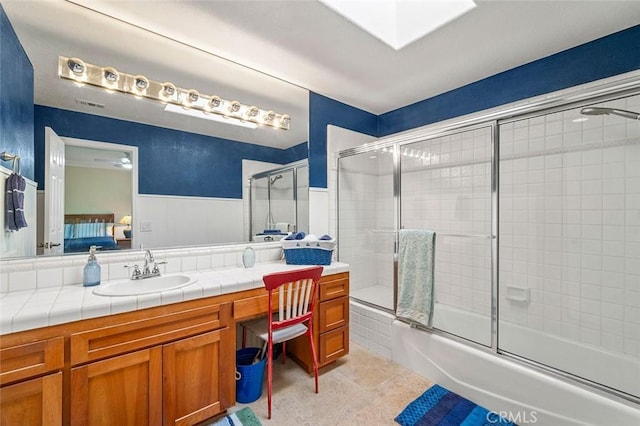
416,259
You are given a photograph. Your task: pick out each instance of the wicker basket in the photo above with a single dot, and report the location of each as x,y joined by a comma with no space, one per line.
308,256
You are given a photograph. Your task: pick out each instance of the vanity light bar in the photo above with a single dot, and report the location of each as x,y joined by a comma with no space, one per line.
110,79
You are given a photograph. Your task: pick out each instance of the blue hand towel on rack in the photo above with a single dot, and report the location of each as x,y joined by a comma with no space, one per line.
14,202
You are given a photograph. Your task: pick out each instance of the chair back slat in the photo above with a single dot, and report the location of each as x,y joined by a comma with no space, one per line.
289,296
294,302
299,286
281,303
307,294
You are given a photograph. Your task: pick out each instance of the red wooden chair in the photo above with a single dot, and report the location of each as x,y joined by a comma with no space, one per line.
294,316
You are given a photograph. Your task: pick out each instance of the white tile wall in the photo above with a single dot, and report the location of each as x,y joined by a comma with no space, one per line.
569,226
57,272
446,187
371,328
366,220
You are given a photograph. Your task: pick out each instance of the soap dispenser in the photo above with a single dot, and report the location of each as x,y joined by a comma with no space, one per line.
91,275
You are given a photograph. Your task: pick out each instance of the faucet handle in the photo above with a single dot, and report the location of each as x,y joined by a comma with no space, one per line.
156,270
136,271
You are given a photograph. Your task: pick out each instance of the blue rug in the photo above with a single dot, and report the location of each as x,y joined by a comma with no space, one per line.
440,406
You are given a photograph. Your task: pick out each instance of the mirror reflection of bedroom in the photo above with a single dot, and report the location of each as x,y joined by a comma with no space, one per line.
97,199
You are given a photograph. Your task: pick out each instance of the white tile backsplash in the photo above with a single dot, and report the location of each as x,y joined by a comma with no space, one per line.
62,271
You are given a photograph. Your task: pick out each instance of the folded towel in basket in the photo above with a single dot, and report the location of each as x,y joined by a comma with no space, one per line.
297,236
326,237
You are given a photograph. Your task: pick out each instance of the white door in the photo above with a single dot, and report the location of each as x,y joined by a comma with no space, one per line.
54,193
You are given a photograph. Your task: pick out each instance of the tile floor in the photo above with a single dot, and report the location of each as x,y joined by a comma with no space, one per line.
359,389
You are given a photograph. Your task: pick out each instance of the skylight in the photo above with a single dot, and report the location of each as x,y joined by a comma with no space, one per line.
400,22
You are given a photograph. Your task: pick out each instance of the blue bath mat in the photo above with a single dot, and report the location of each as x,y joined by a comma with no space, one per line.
440,406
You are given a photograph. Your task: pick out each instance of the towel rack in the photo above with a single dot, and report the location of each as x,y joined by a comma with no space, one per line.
5,156
463,235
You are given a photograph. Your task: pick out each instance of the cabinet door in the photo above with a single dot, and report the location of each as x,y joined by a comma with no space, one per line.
123,390
199,376
32,402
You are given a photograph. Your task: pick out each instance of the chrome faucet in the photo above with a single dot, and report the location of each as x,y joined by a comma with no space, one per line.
148,260
147,270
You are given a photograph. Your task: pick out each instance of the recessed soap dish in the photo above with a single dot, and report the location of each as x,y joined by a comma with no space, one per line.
517,294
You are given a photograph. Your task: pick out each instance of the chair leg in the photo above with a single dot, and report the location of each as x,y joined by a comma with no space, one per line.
269,376
313,354
284,351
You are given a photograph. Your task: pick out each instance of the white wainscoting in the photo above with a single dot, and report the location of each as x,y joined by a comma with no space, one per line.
186,221
22,242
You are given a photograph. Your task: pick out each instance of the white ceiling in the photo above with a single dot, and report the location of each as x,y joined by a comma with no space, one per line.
306,43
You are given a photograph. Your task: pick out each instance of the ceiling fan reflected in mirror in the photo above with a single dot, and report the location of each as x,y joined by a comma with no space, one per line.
123,162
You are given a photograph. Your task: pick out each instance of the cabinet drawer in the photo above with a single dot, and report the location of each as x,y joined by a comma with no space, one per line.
333,345
334,286
250,307
31,359
133,335
333,314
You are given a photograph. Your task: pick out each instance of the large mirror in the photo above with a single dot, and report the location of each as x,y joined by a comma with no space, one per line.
185,177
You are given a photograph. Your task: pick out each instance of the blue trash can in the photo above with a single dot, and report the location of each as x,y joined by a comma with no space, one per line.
249,377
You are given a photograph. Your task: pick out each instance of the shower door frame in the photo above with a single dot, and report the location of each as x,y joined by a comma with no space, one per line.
267,174
599,91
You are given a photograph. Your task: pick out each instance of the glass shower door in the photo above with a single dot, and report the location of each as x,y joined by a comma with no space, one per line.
302,199
366,228
446,188
259,205
282,203
570,243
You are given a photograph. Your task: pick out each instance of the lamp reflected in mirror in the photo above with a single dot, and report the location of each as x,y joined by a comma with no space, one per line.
126,220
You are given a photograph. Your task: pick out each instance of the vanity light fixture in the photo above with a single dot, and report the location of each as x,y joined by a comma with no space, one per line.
110,76
167,92
208,116
201,106
76,66
140,84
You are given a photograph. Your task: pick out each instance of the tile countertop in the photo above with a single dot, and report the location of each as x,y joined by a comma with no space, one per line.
30,309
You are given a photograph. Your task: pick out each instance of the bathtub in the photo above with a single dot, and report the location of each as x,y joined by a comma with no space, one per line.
523,394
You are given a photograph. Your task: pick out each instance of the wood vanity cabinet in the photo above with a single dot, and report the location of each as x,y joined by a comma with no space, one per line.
31,383
172,382
166,365
330,324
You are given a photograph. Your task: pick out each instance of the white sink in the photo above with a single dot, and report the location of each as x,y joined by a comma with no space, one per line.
145,286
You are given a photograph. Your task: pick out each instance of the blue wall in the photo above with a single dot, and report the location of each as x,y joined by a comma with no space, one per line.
605,57
16,98
322,112
171,162
614,54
